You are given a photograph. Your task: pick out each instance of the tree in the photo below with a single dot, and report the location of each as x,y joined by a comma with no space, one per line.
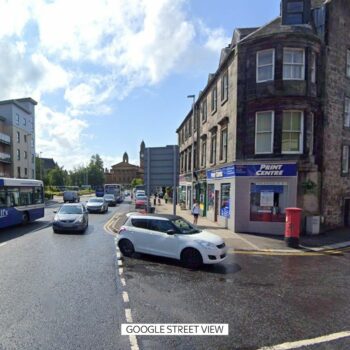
95,171
57,177
136,181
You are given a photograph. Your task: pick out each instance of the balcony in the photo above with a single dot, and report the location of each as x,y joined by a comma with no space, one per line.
5,138
5,157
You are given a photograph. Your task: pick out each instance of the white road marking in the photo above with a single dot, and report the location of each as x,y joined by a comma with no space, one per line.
120,263
123,281
128,315
125,297
306,342
133,342
246,241
2,244
121,271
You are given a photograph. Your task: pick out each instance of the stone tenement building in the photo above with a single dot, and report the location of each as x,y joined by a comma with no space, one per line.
271,129
123,173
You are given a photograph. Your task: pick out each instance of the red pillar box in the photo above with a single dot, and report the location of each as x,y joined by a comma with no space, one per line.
292,230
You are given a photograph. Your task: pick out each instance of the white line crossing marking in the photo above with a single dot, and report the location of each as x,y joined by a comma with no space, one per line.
122,280
120,263
306,342
121,271
128,315
125,297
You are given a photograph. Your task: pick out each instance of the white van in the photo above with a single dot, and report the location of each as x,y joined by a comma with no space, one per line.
71,196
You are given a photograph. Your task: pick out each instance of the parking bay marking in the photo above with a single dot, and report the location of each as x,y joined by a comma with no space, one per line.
2,244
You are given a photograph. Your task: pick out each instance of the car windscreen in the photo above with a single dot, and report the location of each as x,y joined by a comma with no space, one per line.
184,226
141,198
95,200
71,209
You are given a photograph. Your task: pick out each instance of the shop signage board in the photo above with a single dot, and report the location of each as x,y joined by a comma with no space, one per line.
263,170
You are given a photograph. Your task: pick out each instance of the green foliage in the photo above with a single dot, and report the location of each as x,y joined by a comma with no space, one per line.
136,182
57,177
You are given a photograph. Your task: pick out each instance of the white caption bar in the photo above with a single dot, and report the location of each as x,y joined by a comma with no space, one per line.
175,329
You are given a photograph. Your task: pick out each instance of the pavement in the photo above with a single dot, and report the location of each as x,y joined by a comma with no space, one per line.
247,242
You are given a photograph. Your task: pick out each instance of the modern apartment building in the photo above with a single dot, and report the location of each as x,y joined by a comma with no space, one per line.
17,138
272,123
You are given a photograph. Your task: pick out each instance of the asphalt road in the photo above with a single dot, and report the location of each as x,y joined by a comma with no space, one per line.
266,300
60,291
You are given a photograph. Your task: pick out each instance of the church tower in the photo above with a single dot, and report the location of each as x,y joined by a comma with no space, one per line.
125,158
142,154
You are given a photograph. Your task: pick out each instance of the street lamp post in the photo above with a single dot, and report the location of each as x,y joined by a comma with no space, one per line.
192,149
41,166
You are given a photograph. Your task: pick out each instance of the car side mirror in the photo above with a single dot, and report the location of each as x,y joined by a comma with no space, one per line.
171,232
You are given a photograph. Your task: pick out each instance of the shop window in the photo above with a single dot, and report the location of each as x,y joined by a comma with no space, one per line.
265,65
292,132
225,200
264,132
211,196
293,64
268,202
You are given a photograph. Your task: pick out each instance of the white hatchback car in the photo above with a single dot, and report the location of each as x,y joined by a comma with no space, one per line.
170,236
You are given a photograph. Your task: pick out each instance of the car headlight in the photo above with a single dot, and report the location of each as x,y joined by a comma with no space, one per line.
207,245
79,220
55,219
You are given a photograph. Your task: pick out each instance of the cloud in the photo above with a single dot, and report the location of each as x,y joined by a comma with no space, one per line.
91,54
60,136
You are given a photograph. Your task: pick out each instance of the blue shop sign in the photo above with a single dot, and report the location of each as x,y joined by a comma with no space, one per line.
266,170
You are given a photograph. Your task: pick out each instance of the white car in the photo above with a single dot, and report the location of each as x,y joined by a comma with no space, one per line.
170,236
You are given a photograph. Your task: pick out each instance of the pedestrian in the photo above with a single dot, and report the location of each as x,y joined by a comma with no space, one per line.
195,212
166,197
155,199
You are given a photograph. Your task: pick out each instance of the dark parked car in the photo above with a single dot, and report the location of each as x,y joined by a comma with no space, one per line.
71,217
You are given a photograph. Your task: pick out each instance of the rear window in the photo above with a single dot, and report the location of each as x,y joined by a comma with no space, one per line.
141,223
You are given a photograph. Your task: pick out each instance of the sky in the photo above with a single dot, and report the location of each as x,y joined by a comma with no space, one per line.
108,74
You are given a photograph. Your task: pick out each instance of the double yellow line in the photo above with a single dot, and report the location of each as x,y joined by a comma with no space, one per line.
108,227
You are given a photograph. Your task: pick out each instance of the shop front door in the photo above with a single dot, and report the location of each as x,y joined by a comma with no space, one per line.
216,206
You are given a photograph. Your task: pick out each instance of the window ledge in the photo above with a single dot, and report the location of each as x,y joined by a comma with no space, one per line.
224,101
214,111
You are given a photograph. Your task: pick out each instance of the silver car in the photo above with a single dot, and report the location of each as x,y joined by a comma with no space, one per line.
97,205
71,217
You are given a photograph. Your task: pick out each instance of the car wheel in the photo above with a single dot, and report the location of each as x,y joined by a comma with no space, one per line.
25,218
126,247
191,258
